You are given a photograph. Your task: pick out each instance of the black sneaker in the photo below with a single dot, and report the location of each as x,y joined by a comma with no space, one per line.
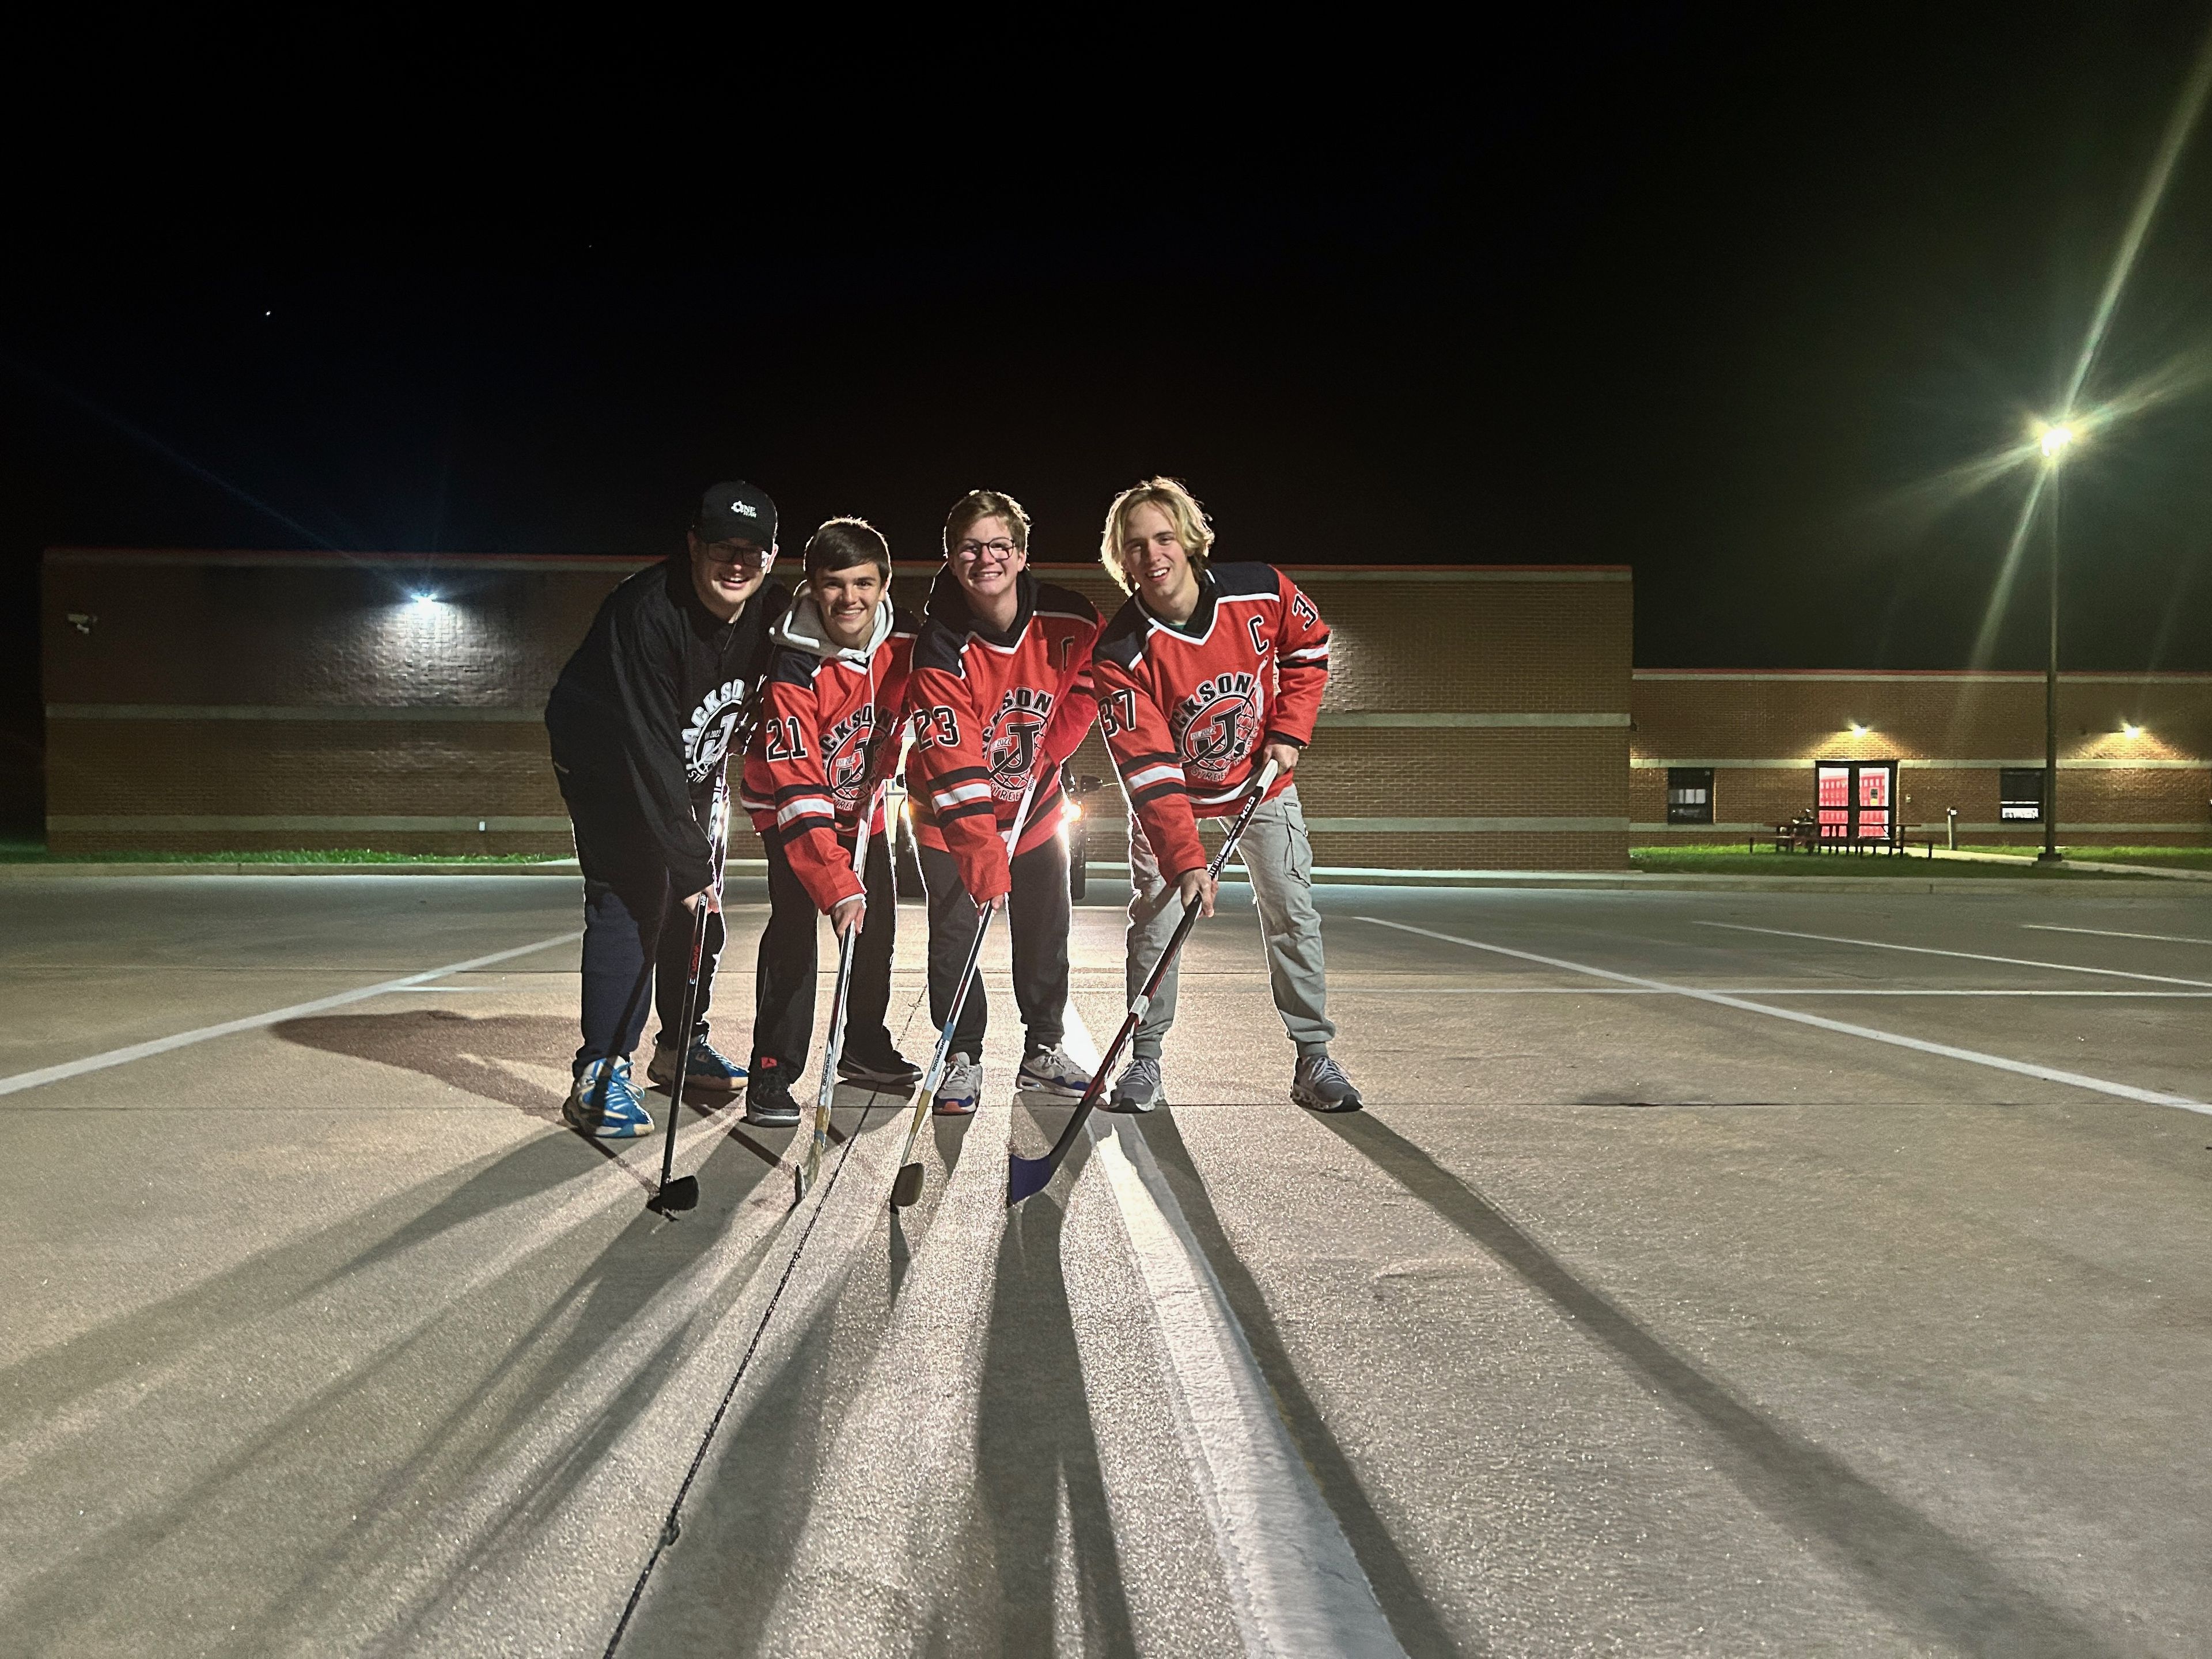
769,1104
889,1071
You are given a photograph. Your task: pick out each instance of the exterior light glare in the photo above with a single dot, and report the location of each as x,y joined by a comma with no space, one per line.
1858,730
2129,729
425,600
2056,440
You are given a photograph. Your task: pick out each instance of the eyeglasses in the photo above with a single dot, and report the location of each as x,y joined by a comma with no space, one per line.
973,552
752,558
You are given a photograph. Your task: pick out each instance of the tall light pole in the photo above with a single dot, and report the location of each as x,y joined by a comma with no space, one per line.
2056,439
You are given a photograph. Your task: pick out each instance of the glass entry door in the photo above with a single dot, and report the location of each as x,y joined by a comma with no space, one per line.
1855,801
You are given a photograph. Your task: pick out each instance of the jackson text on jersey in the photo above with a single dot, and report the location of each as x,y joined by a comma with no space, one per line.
706,732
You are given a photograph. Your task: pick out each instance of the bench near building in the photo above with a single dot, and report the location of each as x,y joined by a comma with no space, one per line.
1723,755
1477,716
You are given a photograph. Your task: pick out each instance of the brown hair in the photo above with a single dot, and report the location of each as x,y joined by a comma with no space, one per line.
840,544
1172,498
979,504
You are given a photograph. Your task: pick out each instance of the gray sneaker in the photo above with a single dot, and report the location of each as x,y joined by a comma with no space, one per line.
1319,1084
957,1090
1139,1089
1050,1072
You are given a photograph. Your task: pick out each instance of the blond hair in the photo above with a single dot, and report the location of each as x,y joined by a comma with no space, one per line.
979,504
1172,498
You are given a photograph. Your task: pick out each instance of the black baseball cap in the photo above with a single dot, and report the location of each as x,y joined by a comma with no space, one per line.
736,511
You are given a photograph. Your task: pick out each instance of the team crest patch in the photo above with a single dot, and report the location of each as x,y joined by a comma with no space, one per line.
1217,725
1011,740
846,747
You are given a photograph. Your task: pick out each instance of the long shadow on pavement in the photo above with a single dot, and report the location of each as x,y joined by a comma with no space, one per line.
1414,1620
1921,1576
537,1347
1033,1435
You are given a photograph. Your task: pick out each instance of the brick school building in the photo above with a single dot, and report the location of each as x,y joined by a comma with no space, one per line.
1477,718
1725,755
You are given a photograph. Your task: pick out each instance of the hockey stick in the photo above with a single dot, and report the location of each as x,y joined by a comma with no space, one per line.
908,1187
673,1195
1026,1176
835,1046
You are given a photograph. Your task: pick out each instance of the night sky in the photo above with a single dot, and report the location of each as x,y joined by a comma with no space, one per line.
1706,291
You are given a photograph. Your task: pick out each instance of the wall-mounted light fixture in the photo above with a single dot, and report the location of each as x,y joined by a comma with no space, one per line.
1859,730
2129,729
426,601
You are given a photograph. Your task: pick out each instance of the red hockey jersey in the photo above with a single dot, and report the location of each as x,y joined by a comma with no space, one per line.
990,711
829,733
1186,710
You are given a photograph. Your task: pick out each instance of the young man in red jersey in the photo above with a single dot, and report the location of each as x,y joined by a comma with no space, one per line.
828,733
1209,672
1001,697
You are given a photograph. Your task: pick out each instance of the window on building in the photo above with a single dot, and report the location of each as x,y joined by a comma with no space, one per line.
1689,794
2019,794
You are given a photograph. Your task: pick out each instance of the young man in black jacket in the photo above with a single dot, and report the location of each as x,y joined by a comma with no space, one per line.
641,721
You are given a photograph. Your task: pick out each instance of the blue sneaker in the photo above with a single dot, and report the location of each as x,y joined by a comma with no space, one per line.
707,1069
604,1104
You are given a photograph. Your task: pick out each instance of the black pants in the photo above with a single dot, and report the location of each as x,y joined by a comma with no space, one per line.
783,987
637,934
1037,909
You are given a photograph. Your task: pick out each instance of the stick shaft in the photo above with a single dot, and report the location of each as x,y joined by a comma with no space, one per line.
1141,1003
719,836
826,1084
927,1094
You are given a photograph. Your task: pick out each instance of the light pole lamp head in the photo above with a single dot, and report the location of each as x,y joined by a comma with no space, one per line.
2055,440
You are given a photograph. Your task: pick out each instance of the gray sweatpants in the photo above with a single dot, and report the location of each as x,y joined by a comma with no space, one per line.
1279,858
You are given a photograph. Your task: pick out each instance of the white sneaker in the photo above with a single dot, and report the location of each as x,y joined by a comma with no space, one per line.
962,1083
1050,1072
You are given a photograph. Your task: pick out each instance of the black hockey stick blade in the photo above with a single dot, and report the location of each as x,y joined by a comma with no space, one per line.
676,1196
906,1188
1028,1176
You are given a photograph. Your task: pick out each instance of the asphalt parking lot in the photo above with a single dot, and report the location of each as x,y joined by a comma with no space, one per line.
1711,1273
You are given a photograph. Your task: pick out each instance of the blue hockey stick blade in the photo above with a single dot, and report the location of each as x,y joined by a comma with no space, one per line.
1026,1177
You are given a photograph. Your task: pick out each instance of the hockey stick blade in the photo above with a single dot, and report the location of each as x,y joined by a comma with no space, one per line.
906,1188
1025,1177
675,1196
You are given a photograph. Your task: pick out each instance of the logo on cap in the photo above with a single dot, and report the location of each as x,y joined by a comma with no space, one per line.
745,507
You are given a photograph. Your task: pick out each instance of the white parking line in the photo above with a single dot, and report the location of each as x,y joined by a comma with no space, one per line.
1969,956
2109,932
1996,1062
1717,990
1295,1586
9,1085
